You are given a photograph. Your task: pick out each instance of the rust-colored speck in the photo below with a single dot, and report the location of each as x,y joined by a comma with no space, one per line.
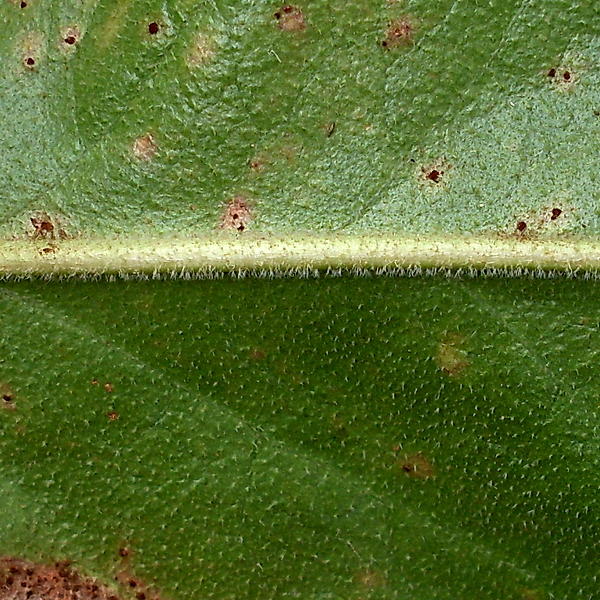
113,415
556,212
567,76
521,226
70,36
552,73
108,387
153,28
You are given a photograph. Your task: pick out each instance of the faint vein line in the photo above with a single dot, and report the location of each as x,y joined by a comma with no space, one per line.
387,185
533,355
354,483
510,27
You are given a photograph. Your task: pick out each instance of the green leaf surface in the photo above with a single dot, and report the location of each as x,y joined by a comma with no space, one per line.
336,438
322,438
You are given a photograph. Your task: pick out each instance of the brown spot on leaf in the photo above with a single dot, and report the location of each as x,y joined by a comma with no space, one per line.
25,580
563,77
258,164
144,148
435,174
556,212
290,18
418,466
237,214
330,128
31,48
108,387
521,226
112,415
43,226
8,397
95,382
23,4
451,358
70,37
400,33
142,590
153,28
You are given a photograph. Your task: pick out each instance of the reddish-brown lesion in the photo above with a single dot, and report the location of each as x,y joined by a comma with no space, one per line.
400,32
290,18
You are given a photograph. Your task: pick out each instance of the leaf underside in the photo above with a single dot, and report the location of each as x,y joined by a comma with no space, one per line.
178,123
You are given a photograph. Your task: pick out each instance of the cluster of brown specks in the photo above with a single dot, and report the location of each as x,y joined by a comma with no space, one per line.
548,219
24,580
563,78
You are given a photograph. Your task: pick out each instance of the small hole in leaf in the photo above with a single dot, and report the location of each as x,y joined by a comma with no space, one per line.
153,28
556,212
551,72
567,76
29,61
70,40
521,226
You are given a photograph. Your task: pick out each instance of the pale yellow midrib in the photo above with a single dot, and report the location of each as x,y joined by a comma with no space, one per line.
254,252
